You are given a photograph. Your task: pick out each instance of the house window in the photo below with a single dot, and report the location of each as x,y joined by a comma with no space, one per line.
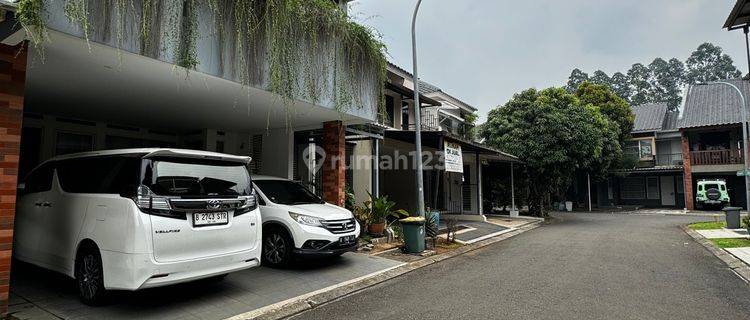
652,186
72,142
646,148
633,188
389,116
640,148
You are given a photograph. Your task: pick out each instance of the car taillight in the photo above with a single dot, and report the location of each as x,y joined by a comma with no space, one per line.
147,200
249,203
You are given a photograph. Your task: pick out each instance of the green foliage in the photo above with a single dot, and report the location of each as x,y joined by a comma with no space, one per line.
731,243
611,105
746,221
662,80
381,208
30,14
303,42
709,63
471,118
349,200
555,134
707,225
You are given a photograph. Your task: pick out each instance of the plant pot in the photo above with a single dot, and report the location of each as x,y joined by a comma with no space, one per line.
376,228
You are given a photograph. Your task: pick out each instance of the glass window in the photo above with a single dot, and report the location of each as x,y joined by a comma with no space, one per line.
72,143
188,177
40,179
99,174
633,188
646,148
287,192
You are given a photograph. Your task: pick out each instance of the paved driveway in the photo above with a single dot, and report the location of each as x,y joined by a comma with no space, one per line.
584,266
40,294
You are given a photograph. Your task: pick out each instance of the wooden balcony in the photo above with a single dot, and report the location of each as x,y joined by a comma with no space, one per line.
715,157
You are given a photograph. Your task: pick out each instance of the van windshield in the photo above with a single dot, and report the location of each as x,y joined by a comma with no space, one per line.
287,192
197,178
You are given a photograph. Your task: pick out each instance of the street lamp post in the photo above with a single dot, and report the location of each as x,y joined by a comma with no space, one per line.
744,141
417,114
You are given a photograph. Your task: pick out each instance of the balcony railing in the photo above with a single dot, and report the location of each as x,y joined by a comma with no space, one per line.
431,122
669,159
715,157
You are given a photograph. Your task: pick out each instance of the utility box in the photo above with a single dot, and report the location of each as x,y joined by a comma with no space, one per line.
733,217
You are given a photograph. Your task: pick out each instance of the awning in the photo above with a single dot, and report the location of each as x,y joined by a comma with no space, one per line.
432,139
740,15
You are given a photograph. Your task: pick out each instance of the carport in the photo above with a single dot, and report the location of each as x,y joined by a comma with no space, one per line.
85,96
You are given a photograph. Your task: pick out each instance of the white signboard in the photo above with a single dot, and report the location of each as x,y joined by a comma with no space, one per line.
454,158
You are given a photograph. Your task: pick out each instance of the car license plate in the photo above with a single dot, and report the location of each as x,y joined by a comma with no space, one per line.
347,240
201,219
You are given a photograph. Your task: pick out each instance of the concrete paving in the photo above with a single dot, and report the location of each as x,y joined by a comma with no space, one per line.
584,266
723,233
41,294
741,253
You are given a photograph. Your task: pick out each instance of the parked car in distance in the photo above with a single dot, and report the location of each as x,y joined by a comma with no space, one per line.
138,218
712,194
297,223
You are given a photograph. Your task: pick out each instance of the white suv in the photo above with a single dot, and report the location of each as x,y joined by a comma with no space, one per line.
138,218
296,222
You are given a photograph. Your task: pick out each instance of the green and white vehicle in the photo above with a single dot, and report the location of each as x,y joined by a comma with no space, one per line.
712,194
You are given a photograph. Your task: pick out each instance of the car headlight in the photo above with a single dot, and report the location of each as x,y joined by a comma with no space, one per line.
306,220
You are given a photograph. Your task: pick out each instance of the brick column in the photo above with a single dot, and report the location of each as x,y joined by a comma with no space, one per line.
12,79
334,175
687,173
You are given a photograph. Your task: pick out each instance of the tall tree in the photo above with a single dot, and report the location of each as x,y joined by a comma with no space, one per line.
553,133
616,109
638,78
576,78
666,79
621,86
709,63
601,77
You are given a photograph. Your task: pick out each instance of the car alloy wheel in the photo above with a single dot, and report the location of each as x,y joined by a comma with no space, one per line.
89,276
275,249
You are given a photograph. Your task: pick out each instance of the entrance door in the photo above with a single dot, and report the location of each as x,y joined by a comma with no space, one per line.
667,191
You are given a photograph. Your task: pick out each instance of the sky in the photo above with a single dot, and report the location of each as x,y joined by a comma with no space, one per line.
484,51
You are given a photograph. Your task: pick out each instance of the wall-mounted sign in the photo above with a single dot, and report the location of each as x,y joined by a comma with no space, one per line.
454,158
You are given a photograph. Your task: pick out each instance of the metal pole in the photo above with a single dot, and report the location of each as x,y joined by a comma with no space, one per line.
747,45
417,114
513,210
744,141
376,168
588,181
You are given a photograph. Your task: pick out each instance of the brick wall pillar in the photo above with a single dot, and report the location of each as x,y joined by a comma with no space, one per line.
334,175
687,173
12,79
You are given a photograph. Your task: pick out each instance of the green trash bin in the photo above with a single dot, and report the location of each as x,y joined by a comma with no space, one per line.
413,234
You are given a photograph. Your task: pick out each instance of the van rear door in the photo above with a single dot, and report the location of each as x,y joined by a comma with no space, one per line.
198,208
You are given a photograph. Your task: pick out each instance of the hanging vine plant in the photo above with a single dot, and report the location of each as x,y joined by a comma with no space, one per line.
298,49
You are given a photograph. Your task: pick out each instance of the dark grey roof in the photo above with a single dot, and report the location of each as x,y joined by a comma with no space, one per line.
425,87
713,104
670,121
649,117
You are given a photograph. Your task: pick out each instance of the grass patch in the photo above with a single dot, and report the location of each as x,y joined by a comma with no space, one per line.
731,243
707,225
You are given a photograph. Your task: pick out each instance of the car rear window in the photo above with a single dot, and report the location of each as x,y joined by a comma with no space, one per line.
712,186
196,178
110,175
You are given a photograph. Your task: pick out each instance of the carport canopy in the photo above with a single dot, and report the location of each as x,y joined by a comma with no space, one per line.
105,84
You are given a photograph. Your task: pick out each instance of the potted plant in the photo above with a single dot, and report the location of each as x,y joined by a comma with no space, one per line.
380,208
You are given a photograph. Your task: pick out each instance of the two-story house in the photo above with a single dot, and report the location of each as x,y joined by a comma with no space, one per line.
711,128
654,152
453,159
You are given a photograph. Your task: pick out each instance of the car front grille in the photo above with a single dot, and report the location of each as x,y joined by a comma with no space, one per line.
339,226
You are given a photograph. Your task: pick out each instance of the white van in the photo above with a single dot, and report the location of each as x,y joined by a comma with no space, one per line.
297,223
138,218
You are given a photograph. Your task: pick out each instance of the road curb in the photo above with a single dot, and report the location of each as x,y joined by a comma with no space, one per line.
303,303
741,269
